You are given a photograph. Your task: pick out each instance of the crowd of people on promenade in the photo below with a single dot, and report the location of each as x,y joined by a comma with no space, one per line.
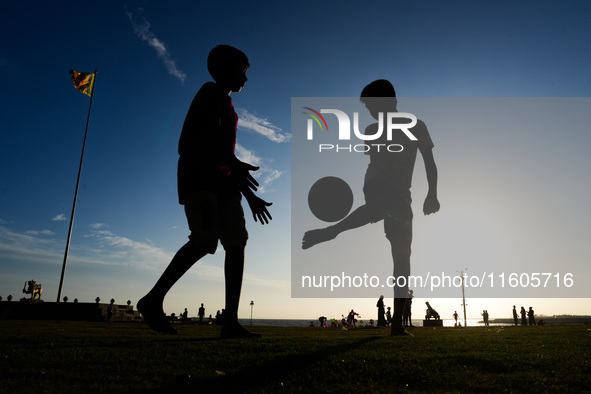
527,318
384,318
201,319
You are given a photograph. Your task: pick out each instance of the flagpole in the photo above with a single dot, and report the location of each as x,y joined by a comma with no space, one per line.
59,292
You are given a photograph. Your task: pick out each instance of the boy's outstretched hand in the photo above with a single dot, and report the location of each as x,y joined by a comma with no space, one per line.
258,206
241,172
431,204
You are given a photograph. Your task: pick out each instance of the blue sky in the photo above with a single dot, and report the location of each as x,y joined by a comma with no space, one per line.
151,57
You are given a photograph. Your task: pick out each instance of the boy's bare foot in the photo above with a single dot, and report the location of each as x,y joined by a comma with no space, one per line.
237,330
314,237
155,317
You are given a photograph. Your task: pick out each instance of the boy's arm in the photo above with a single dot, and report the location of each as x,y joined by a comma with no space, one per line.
258,206
431,204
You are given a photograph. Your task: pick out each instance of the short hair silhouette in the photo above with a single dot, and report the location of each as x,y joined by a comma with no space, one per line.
224,58
378,88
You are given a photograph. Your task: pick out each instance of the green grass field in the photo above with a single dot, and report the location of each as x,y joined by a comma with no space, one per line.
48,356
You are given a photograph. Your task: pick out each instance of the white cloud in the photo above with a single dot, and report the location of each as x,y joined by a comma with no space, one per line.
261,126
265,175
59,218
101,248
272,175
28,246
42,232
142,30
115,248
247,156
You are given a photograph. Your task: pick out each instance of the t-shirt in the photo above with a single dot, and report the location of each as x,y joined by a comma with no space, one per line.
207,143
396,168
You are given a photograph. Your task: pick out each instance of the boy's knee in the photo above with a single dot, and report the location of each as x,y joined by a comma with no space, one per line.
208,244
400,241
377,211
234,244
235,235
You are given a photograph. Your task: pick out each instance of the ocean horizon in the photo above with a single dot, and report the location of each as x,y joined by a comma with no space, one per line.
360,322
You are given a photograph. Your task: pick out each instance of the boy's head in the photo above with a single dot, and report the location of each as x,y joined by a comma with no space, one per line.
379,96
227,65
379,88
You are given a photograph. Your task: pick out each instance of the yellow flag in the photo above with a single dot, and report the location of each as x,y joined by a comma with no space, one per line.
83,81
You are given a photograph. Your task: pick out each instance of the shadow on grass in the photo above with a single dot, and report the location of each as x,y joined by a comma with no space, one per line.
270,374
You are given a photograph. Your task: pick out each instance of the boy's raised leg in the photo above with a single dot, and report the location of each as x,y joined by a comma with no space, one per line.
361,216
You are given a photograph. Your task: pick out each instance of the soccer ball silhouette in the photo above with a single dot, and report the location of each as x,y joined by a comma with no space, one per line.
330,199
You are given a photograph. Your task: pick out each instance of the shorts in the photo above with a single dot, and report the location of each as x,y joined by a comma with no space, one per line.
395,210
212,217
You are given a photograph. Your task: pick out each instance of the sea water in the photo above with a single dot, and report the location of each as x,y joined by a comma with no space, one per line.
316,323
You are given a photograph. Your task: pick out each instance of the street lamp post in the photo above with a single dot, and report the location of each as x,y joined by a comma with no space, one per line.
251,306
463,296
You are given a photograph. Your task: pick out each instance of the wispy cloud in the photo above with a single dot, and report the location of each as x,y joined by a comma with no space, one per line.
271,176
42,232
142,29
116,248
247,155
266,175
58,218
27,246
101,248
261,126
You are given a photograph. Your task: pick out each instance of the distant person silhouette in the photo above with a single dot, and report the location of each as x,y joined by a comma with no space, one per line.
381,312
485,317
407,313
211,183
351,318
185,317
455,316
387,192
515,316
110,311
388,316
523,317
530,315
201,313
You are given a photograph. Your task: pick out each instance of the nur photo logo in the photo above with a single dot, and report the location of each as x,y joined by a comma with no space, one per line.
388,123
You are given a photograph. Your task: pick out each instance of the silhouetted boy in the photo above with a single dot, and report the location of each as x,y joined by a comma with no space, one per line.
387,191
211,181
